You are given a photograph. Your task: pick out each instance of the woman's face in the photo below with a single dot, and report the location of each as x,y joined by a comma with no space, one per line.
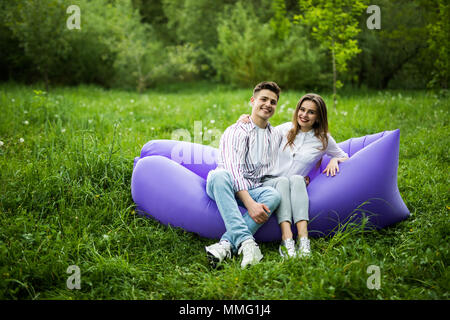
307,115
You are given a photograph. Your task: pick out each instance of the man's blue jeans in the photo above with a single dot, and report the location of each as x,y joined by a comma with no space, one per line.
219,187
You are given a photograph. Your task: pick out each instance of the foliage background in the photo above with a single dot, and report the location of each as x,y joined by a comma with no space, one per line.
77,105
138,44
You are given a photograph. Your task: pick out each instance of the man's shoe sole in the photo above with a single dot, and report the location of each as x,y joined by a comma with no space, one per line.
213,260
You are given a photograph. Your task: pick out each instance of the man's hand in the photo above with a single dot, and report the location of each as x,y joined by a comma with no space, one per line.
259,212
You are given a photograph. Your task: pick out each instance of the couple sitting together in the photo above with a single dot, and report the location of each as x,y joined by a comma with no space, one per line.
264,168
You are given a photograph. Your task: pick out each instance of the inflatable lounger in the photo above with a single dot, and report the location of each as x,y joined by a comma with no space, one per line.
169,184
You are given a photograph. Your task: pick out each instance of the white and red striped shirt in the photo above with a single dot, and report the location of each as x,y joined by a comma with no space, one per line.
239,154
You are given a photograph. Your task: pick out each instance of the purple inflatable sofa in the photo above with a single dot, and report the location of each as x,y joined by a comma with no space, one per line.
169,180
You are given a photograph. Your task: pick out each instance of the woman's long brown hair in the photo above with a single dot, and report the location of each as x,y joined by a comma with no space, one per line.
320,126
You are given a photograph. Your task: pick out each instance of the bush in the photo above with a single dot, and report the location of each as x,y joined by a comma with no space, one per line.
112,48
250,51
39,29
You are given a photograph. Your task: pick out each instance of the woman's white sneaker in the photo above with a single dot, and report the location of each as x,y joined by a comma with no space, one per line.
304,247
287,248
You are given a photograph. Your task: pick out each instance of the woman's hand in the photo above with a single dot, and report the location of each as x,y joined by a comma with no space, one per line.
332,167
244,118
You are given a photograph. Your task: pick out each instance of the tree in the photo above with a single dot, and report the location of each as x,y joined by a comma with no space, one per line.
279,22
335,25
250,51
140,58
40,26
396,55
438,41
137,52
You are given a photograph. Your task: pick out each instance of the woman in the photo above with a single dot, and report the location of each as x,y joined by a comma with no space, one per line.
305,141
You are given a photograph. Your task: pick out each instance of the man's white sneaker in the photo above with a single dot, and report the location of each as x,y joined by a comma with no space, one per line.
304,248
287,248
251,253
217,252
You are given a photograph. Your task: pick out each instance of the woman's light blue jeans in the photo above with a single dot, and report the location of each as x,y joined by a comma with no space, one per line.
240,227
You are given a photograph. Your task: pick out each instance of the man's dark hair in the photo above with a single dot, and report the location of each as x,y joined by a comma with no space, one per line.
268,85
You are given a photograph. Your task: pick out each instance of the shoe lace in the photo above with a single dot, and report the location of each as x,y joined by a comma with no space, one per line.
248,248
290,247
224,249
305,244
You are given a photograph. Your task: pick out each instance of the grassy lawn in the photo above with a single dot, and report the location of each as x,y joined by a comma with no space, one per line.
66,162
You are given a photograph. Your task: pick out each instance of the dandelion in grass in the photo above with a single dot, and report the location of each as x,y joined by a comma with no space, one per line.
26,122
90,121
1,143
132,100
63,130
212,121
56,116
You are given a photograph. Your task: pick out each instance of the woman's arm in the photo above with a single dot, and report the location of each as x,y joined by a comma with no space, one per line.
338,156
333,166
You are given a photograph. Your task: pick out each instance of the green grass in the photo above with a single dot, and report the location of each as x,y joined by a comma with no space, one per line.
65,200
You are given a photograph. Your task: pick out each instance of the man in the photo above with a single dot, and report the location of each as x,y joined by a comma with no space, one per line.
246,154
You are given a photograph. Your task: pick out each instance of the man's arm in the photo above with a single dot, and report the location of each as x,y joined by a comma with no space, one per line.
257,211
234,148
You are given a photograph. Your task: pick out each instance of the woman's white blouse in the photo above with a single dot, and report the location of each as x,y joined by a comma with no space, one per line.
304,155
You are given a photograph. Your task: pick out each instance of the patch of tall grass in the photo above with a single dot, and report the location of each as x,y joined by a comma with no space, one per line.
66,161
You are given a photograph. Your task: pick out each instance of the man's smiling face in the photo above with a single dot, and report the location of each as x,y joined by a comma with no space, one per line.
264,104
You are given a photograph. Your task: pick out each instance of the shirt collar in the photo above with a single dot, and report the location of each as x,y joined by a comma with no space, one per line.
308,133
254,126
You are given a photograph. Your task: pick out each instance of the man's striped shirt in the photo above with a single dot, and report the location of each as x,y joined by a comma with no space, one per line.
238,154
